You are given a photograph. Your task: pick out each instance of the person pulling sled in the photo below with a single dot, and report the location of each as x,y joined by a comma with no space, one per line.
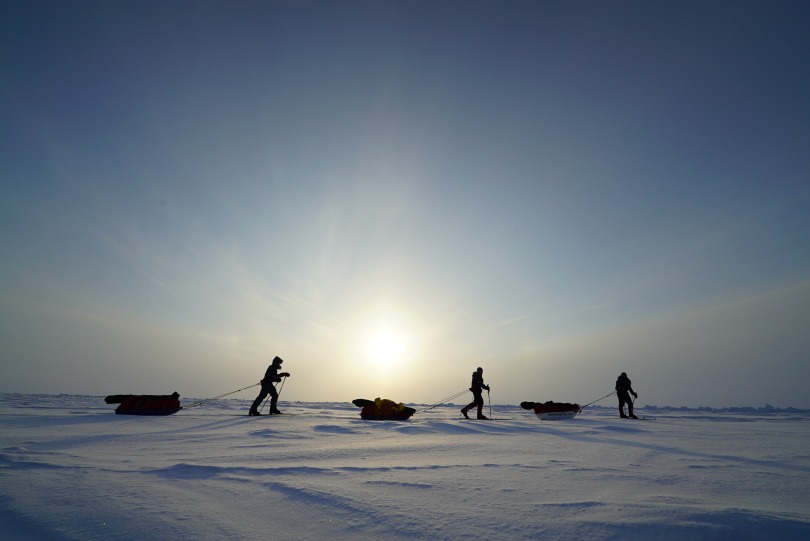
270,377
623,390
478,399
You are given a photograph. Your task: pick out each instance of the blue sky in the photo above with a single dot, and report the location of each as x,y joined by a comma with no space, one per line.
555,191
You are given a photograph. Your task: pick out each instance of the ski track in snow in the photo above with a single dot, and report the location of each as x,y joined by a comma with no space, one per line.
72,469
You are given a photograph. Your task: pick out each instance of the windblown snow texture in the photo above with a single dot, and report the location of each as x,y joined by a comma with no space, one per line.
71,469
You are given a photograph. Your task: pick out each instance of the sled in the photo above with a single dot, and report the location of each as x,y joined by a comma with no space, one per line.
145,404
548,411
381,409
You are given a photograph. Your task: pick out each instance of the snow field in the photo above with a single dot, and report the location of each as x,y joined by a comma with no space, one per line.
72,469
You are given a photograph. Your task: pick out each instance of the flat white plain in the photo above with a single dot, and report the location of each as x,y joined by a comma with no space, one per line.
72,469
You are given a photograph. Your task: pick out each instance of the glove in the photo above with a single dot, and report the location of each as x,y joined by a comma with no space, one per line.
284,374
635,395
487,388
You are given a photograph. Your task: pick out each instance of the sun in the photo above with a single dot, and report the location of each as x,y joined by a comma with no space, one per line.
385,349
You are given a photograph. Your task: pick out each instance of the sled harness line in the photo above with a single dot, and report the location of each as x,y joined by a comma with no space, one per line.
202,402
595,401
439,403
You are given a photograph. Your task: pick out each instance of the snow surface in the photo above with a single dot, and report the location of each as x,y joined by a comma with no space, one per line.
72,469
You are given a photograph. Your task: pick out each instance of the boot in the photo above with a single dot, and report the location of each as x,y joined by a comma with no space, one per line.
621,413
630,412
253,412
275,411
481,413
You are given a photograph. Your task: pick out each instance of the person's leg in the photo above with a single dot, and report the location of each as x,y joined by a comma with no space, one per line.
254,408
479,401
273,399
467,408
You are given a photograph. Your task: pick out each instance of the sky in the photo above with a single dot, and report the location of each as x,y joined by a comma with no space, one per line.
389,195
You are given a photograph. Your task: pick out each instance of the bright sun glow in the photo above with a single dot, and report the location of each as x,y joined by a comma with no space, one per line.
385,349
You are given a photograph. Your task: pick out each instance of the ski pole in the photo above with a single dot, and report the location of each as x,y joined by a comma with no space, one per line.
277,394
263,405
490,404
282,385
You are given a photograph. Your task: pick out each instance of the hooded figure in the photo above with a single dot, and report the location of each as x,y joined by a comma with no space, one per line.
478,399
270,377
623,390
